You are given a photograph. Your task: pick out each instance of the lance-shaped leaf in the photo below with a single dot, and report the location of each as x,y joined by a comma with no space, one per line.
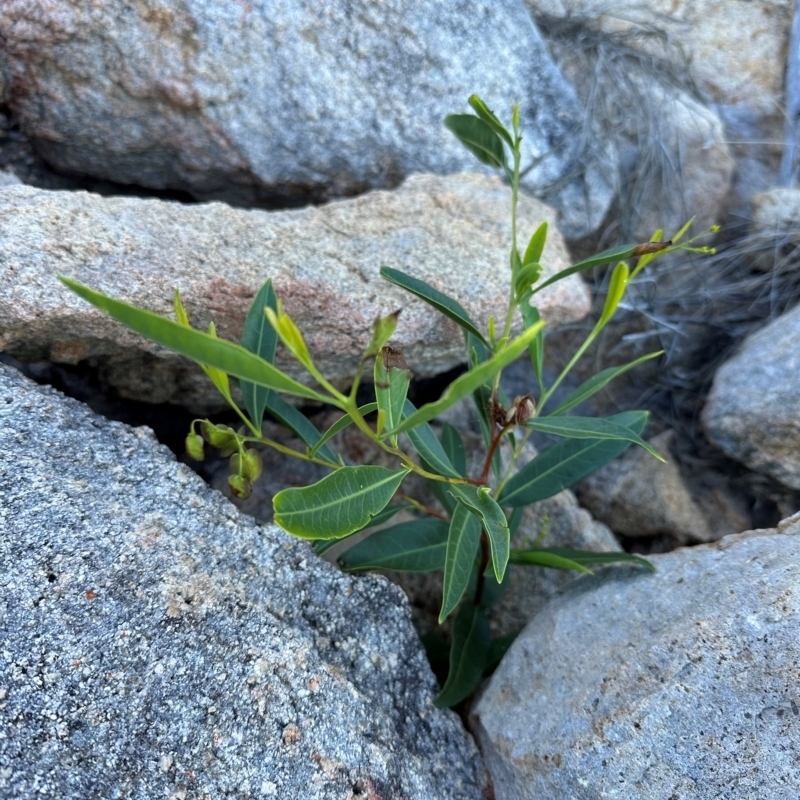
290,335
339,504
298,423
259,337
229,357
545,558
417,546
589,428
463,540
429,447
530,316
340,425
480,502
391,379
453,445
526,277
381,333
597,382
322,545
439,300
566,463
469,655
582,558
616,290
472,380
488,116
478,137
535,248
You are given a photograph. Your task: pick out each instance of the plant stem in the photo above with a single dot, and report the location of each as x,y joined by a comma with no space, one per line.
487,464
482,568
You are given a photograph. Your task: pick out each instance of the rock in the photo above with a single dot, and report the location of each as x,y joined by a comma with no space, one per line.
156,643
453,232
753,410
638,496
8,178
678,684
774,233
700,43
274,102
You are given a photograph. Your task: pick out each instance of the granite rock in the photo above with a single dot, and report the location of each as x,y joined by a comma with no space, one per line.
156,643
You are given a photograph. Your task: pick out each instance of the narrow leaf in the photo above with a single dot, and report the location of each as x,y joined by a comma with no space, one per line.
439,300
597,382
297,422
472,380
417,546
381,333
605,257
469,655
340,425
259,338
391,385
480,502
616,290
463,540
340,503
526,277
322,545
531,316
498,649
544,558
566,463
589,428
478,137
589,557
429,447
488,116
227,356
290,335
453,445
535,248
218,377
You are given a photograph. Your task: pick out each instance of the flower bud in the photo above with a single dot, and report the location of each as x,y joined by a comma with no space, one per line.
240,486
220,436
250,467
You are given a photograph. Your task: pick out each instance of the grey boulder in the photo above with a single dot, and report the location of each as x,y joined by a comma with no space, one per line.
682,684
156,643
265,101
753,410
453,232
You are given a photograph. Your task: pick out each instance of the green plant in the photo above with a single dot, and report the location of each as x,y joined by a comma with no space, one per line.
470,537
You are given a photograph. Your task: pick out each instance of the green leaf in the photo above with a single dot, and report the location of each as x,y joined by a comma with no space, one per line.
322,545
340,425
416,546
526,277
478,137
498,649
227,356
585,558
589,428
515,519
530,316
606,257
429,447
391,387
469,655
297,422
545,558
481,503
616,290
259,337
477,354
381,333
487,115
566,463
471,380
290,335
340,503
441,302
463,540
535,248
453,445
597,382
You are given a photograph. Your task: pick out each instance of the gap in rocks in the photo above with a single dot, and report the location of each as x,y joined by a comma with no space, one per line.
18,154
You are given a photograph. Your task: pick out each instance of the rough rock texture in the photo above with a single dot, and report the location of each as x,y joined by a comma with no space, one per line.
682,684
774,232
639,496
453,232
703,42
158,644
753,410
265,100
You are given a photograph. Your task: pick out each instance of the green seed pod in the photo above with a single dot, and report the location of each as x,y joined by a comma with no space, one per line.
253,464
220,436
194,447
240,486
